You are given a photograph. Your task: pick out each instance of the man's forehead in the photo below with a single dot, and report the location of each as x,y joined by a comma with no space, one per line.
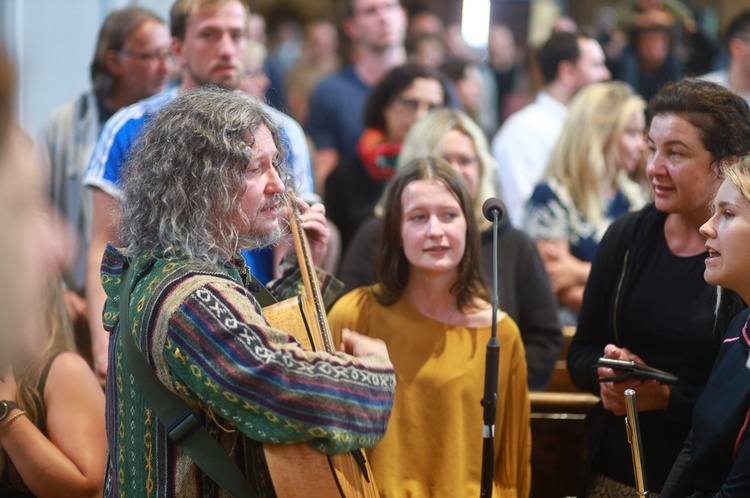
231,14
358,6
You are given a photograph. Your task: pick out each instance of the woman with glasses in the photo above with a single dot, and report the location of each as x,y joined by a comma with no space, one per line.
586,186
523,288
405,94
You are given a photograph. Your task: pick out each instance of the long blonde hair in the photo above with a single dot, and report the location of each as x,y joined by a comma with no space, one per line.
585,155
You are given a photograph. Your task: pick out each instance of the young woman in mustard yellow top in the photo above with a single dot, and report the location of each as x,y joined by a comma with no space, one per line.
433,312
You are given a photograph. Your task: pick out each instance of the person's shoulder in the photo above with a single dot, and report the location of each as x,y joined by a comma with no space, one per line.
135,113
284,120
67,367
633,226
518,124
508,331
358,299
546,189
719,76
65,115
339,81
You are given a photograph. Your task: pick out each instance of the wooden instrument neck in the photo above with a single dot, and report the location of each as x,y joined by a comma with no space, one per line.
309,277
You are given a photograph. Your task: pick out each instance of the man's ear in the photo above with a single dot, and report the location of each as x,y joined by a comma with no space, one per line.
176,47
566,73
736,48
349,29
112,63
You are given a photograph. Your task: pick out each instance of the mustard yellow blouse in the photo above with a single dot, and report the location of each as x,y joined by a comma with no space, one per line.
433,444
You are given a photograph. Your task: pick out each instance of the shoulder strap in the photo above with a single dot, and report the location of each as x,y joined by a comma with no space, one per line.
182,424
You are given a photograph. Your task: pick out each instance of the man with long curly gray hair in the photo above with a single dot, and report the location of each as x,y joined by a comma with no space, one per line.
207,179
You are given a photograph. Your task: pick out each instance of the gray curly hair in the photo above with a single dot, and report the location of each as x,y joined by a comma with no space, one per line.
183,181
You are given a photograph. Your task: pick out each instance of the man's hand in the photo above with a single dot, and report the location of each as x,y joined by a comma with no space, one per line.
360,345
313,222
76,306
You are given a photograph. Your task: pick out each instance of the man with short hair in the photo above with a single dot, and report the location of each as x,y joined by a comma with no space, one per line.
194,317
208,43
131,62
736,75
377,29
568,62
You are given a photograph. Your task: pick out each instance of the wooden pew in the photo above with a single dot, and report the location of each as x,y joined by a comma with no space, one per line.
558,432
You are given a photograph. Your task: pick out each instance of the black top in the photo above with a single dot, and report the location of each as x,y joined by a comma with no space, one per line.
351,196
641,296
6,488
524,290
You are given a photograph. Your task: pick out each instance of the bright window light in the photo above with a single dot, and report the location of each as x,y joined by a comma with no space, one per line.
475,24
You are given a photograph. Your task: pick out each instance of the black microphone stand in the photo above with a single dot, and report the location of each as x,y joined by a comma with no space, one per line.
492,367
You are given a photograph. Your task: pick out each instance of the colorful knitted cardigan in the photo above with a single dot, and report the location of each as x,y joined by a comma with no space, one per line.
207,340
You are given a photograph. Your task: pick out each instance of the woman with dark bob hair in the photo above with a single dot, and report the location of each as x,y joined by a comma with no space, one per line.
405,94
432,310
646,299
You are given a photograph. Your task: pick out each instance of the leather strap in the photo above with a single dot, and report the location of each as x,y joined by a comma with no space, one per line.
182,424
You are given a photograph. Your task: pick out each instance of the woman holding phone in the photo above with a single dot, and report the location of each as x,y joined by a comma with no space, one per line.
646,300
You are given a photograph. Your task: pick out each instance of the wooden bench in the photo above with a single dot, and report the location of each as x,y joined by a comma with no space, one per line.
558,431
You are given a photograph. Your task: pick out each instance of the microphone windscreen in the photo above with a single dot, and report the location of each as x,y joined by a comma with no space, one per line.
491,205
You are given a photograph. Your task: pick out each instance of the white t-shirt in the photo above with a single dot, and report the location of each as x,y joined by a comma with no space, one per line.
522,148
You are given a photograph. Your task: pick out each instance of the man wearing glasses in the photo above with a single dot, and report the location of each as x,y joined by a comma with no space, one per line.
208,43
131,62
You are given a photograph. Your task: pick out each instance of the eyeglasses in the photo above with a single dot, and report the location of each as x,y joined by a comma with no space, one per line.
255,73
462,161
413,105
150,57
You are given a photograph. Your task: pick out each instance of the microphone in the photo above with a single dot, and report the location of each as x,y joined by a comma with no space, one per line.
493,209
493,205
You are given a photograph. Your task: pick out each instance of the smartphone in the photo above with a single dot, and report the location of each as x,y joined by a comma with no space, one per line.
635,371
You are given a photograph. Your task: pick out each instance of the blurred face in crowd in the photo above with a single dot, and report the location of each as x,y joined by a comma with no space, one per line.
322,39
469,89
433,227
214,44
254,79
422,96
459,151
630,145
32,244
501,47
144,64
727,235
653,49
590,67
681,171
377,25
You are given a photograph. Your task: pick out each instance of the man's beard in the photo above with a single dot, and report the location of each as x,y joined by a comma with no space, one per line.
259,241
226,82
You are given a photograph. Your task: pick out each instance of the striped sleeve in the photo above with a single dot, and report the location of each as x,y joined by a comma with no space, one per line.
222,353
